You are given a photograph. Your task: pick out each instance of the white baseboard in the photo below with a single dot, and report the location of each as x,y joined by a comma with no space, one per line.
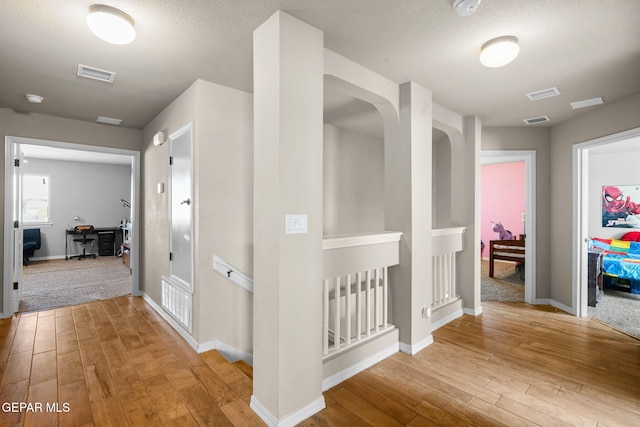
413,349
440,323
352,370
472,312
290,420
49,258
562,307
229,352
170,320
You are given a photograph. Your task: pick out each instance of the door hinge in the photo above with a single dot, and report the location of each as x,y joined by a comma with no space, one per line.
16,224
131,272
170,256
16,162
170,160
15,286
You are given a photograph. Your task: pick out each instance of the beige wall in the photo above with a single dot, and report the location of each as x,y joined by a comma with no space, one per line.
154,215
353,182
40,126
223,153
223,206
536,139
606,120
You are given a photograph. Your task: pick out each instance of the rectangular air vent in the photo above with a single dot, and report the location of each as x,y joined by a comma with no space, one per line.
587,103
544,93
534,120
96,73
108,120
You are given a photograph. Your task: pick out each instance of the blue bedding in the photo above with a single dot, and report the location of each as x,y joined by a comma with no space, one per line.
621,259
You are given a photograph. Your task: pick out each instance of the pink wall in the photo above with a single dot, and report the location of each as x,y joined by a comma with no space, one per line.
502,194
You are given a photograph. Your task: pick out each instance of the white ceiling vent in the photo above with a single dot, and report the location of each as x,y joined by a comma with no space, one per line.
587,103
534,120
108,120
544,93
96,73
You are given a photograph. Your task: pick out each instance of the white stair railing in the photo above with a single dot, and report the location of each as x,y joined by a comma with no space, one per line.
356,288
445,243
355,308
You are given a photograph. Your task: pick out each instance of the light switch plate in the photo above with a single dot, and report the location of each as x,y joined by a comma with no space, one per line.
296,224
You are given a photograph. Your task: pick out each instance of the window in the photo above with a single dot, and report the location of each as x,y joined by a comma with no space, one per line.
35,199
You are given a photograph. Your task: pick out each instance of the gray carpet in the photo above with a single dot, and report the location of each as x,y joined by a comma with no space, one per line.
505,286
60,283
620,310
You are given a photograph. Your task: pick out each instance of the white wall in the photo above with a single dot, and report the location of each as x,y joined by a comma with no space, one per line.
353,182
90,191
616,168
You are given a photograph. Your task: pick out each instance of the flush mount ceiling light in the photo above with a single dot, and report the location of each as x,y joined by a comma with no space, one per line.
499,51
465,7
34,99
110,24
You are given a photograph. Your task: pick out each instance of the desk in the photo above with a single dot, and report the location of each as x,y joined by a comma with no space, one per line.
109,238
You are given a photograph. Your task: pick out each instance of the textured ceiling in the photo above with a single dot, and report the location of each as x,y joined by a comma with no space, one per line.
586,48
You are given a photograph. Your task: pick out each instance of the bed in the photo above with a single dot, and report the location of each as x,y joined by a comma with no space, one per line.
506,250
620,260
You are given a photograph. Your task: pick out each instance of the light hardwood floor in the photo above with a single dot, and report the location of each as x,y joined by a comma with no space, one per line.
117,362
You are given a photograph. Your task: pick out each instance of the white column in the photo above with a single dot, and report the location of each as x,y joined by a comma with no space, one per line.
466,211
408,163
288,115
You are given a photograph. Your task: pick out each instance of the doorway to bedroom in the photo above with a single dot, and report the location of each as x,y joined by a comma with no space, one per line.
85,185
608,207
507,224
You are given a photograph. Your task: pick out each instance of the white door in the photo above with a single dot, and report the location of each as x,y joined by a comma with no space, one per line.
181,199
17,227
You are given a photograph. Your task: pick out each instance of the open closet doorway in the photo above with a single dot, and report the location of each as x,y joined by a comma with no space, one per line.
523,233
607,212
64,185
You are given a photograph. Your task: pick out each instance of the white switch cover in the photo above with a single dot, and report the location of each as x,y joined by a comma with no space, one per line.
296,224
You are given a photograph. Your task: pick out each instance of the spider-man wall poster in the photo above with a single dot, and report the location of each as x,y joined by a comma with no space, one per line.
621,206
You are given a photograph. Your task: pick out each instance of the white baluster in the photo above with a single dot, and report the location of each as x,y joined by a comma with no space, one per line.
358,306
454,292
336,333
348,314
376,301
385,298
325,317
368,308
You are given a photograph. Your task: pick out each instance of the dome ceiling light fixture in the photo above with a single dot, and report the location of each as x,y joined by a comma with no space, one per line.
465,7
499,51
34,99
110,24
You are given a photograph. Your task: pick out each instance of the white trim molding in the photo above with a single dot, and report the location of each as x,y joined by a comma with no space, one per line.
472,312
440,323
356,368
336,242
290,420
413,349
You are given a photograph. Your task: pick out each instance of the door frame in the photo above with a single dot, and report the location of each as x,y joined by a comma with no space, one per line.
580,232
529,158
7,286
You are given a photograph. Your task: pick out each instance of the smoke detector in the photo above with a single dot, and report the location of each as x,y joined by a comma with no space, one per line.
465,7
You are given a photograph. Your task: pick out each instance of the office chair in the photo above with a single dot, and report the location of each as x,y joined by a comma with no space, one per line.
31,241
84,230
